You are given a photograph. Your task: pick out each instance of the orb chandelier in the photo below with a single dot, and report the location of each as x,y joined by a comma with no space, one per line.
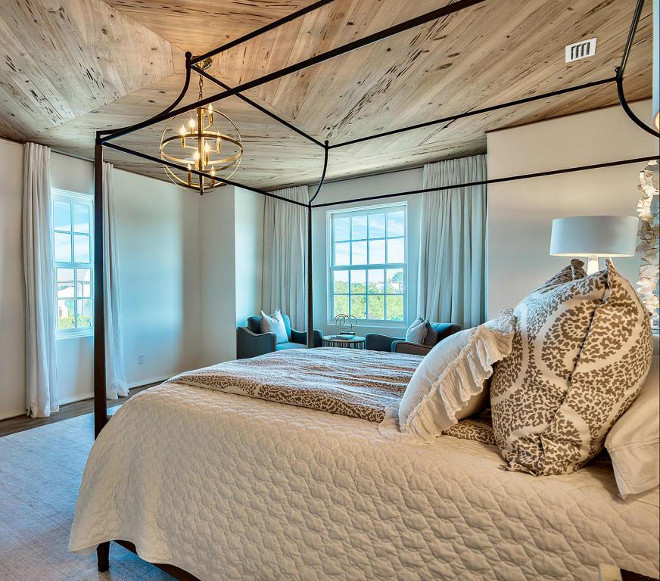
207,141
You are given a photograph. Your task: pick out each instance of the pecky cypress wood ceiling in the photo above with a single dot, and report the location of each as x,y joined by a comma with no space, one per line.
70,67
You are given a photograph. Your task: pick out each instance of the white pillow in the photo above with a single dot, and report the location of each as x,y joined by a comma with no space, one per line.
274,324
417,331
449,383
633,441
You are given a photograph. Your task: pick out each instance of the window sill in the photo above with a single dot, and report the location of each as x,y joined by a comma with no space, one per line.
374,324
75,334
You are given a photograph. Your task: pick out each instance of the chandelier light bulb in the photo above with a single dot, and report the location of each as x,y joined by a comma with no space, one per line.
192,124
207,153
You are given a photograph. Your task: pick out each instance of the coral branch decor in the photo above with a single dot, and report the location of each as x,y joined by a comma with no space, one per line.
647,248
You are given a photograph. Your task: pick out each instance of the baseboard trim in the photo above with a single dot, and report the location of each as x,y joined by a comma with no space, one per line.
143,382
75,398
90,395
8,415
132,385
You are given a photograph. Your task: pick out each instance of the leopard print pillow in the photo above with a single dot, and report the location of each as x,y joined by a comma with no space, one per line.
581,351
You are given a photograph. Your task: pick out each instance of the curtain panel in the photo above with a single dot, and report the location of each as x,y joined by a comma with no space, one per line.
116,385
452,266
285,255
40,304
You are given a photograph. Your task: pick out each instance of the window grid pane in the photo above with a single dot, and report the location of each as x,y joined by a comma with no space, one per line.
81,221
62,216
72,220
62,247
368,264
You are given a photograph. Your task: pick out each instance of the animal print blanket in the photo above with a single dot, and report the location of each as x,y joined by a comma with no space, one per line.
351,382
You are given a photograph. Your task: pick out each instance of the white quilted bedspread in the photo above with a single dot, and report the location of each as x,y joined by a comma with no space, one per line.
229,487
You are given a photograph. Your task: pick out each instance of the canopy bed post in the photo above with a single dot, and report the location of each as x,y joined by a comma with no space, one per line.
100,403
310,277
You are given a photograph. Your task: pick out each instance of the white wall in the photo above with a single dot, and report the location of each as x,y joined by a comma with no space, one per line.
231,250
158,252
217,287
159,269
520,213
159,256
12,325
249,237
354,188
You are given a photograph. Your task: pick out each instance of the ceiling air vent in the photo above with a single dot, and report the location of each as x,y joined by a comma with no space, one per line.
580,50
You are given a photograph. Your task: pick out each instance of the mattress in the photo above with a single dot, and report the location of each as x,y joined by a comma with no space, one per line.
230,487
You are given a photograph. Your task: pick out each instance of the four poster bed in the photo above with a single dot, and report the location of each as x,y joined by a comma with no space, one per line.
211,484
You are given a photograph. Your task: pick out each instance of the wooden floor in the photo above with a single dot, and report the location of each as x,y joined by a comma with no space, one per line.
70,410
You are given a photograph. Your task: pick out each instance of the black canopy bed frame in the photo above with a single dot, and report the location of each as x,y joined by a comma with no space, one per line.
105,138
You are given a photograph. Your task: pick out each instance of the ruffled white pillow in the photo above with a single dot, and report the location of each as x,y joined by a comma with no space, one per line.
274,324
449,383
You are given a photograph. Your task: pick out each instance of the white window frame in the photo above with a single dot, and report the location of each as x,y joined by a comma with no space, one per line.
59,195
331,268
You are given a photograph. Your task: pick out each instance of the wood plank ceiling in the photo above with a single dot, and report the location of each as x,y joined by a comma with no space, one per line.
65,58
71,67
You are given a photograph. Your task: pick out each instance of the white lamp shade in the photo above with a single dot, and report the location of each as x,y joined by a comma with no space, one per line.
594,236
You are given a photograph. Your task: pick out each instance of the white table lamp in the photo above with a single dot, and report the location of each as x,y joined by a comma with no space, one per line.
594,236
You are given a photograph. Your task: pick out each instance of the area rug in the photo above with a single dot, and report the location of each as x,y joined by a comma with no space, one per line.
40,472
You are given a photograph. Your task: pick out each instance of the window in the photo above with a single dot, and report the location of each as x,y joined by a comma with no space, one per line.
72,237
368,263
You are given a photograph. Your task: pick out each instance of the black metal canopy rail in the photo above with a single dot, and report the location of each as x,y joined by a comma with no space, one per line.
105,138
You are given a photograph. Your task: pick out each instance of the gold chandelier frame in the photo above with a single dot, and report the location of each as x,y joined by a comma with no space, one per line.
205,145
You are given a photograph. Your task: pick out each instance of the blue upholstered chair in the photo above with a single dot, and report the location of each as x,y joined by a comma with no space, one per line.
379,342
251,342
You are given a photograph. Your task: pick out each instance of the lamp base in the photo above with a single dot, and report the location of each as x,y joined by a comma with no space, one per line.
592,265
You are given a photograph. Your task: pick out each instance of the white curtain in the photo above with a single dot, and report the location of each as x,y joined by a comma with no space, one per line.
285,255
38,266
114,351
452,265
